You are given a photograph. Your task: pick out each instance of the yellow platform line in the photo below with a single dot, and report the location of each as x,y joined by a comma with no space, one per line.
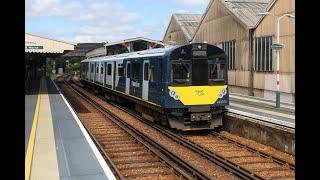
262,110
29,154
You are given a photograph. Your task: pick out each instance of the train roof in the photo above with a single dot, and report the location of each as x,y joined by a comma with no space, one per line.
144,53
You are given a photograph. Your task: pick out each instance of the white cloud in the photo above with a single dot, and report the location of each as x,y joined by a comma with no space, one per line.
192,2
183,11
153,30
99,21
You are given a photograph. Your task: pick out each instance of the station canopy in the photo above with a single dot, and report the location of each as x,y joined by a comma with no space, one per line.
45,45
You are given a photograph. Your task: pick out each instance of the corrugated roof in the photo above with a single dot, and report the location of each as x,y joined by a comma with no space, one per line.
188,23
134,39
246,11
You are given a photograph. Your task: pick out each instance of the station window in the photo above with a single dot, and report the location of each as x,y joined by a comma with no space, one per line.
263,54
120,70
146,71
136,70
230,49
109,69
128,70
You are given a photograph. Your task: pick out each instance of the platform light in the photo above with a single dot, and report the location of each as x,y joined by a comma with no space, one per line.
278,52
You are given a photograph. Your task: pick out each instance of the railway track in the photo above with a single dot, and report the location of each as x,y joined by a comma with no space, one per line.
207,150
128,155
220,148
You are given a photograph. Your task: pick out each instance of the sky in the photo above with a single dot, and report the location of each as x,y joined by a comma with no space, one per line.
82,21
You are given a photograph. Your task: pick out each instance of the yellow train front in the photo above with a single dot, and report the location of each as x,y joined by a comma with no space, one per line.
196,90
184,87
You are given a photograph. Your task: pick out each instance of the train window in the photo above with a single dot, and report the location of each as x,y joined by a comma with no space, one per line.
180,73
128,70
160,70
146,71
216,72
101,70
109,69
152,74
97,68
92,68
136,70
120,70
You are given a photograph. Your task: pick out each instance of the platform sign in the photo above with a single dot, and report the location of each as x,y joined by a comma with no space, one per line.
34,47
277,46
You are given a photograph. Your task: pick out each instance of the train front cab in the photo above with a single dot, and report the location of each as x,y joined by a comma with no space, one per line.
197,91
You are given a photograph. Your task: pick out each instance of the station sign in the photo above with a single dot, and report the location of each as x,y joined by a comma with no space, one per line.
277,46
34,47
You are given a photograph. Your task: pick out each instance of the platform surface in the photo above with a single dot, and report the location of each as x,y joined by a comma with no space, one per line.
60,149
30,106
263,107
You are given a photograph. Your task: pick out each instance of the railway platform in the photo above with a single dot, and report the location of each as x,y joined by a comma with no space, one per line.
263,109
57,145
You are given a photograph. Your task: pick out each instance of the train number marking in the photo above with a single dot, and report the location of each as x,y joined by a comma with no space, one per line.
199,92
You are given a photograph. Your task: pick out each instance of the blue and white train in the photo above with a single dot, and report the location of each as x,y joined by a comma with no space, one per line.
184,87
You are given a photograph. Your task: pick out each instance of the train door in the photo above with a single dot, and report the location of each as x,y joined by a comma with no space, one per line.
128,74
110,72
97,72
101,73
114,75
145,81
105,74
92,72
87,70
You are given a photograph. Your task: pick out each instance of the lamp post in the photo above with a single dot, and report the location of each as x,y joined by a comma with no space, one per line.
277,46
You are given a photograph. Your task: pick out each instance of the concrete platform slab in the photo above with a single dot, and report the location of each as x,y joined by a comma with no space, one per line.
62,148
263,108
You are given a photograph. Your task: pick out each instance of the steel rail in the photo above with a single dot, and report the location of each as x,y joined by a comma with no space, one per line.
215,158
225,163
263,154
138,135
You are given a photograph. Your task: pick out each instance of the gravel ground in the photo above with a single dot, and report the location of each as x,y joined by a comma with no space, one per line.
186,154
246,159
128,153
266,149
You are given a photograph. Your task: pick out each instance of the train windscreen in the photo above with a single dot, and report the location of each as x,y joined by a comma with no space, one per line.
198,64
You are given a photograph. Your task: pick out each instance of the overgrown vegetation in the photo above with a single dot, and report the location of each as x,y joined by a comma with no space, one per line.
68,64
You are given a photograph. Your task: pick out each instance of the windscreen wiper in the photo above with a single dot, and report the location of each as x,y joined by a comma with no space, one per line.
184,65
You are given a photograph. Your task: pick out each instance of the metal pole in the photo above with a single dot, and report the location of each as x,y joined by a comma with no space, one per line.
278,64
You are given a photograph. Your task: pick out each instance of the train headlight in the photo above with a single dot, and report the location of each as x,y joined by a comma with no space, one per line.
222,93
174,94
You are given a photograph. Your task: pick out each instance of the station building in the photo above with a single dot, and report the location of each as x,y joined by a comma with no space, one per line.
246,37
181,28
81,49
37,50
